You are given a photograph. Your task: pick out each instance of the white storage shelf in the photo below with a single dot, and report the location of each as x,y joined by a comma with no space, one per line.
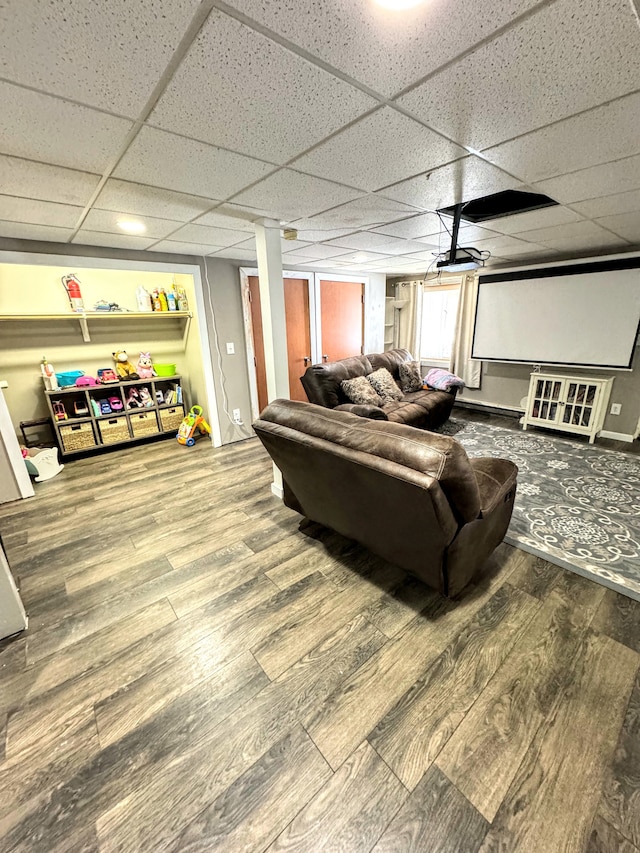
85,318
574,404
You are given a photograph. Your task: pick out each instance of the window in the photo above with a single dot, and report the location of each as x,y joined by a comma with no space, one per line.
439,311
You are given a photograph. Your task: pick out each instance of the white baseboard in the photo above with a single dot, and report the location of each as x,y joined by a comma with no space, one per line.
469,403
278,491
616,436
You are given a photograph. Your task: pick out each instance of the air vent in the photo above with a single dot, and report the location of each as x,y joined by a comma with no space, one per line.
506,203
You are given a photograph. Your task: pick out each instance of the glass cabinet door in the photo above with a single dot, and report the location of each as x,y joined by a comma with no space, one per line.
546,402
580,402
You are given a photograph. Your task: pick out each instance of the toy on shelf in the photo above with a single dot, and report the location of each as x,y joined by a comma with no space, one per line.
48,375
145,366
146,399
102,306
85,381
107,374
59,410
105,408
69,377
116,404
95,406
80,409
192,422
159,397
42,464
133,399
124,368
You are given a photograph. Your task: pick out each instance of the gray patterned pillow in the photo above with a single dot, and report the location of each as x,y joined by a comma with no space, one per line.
385,385
410,378
358,390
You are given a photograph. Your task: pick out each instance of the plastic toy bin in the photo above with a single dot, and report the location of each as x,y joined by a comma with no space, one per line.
165,369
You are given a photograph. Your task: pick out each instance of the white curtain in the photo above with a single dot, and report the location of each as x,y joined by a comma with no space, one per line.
467,368
407,328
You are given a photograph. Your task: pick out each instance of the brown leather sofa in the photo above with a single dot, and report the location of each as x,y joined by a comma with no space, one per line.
412,497
426,409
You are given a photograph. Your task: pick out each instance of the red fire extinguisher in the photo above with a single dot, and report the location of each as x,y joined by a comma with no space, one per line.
72,286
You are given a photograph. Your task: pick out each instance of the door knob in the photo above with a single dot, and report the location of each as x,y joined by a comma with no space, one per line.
325,358
307,359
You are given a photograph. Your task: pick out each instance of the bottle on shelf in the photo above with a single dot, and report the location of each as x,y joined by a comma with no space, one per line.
183,303
172,302
143,298
49,375
162,299
156,301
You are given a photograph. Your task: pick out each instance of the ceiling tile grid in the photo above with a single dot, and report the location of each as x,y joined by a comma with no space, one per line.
240,90
109,55
181,248
625,225
204,234
571,55
140,200
87,237
106,221
608,179
628,202
16,209
385,50
22,231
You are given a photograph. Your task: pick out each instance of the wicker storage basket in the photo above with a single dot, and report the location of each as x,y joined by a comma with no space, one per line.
77,436
113,430
143,423
171,418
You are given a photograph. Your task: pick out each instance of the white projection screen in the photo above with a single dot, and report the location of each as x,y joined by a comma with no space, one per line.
574,315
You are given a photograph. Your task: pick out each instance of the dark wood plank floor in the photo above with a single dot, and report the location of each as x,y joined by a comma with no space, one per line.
202,674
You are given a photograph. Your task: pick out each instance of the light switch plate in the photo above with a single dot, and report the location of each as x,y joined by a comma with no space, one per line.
616,408
231,349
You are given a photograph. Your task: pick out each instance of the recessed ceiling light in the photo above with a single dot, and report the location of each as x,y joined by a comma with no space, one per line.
398,5
361,256
131,226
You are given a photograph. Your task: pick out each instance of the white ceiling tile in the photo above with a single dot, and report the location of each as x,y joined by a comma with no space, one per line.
106,221
361,257
605,180
311,232
569,56
39,127
16,209
21,231
319,251
366,212
461,181
610,205
177,247
365,240
165,160
285,245
585,246
49,183
125,197
625,225
598,136
290,195
109,55
569,230
87,237
383,49
235,254
504,243
413,228
227,217
380,149
238,89
205,234
546,217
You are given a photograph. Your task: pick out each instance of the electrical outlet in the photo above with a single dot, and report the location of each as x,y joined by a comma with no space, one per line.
231,349
616,408
236,415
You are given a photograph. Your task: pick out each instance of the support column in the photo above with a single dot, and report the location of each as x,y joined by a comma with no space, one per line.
274,328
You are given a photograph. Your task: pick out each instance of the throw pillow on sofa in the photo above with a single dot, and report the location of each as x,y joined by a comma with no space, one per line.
385,385
358,390
410,378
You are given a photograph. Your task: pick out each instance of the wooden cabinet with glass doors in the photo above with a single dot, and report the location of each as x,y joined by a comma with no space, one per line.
569,403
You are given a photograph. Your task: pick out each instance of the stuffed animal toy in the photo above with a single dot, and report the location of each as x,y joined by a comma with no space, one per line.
124,368
145,366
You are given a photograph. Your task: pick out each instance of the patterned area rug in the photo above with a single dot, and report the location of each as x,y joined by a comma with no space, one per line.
577,505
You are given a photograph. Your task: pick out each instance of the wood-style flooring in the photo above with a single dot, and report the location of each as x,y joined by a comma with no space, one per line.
203,673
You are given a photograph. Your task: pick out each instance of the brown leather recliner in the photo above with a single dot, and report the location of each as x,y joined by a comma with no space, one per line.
426,408
412,497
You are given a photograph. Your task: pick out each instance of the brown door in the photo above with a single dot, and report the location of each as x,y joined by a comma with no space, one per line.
296,307
342,318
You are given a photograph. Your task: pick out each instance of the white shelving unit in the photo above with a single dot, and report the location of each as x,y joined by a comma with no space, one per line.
574,404
89,316
392,308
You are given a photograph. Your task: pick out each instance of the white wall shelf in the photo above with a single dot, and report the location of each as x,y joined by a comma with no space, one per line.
88,316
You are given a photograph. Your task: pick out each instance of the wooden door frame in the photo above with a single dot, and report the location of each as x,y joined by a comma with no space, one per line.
245,274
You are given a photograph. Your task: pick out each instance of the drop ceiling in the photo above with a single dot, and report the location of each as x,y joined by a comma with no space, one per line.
345,120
